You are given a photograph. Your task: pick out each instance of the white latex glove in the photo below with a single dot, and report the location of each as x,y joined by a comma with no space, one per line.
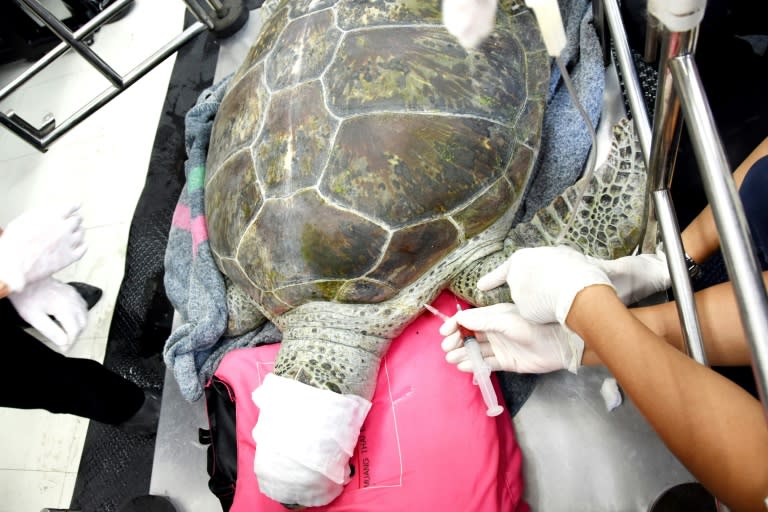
305,437
511,343
470,21
38,243
637,277
47,298
543,281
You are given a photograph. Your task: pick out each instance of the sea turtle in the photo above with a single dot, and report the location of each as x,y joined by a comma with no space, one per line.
362,161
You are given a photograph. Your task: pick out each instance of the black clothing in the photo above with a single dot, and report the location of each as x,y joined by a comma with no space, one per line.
37,377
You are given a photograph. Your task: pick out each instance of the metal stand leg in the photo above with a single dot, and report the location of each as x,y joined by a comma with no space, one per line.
224,17
735,239
679,82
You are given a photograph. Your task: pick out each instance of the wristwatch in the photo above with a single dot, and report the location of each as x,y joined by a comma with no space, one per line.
694,270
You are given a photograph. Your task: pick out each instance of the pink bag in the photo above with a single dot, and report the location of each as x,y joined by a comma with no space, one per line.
426,444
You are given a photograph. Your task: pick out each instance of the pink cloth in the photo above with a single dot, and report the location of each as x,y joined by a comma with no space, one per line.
183,220
426,444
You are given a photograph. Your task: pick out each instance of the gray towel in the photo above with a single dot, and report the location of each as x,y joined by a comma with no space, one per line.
193,282
565,141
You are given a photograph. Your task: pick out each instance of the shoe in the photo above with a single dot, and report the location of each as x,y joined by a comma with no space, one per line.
100,5
144,422
148,503
687,496
91,294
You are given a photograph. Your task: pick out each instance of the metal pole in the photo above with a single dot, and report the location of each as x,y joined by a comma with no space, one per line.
130,78
678,271
667,121
664,144
221,11
651,49
61,30
200,13
22,129
631,82
81,33
738,251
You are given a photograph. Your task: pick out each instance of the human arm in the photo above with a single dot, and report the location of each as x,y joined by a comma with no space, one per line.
700,238
715,428
719,318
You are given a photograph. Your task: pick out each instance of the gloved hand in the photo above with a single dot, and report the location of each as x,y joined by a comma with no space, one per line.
47,298
38,243
511,343
637,277
543,281
470,21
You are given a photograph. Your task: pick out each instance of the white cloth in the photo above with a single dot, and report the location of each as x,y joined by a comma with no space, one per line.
548,17
46,298
509,342
543,281
470,21
609,390
305,437
38,243
637,277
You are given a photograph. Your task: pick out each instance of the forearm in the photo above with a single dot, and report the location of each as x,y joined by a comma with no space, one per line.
719,318
717,430
700,238
720,321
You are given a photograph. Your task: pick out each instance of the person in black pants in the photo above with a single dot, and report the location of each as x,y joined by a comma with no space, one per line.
34,246
68,385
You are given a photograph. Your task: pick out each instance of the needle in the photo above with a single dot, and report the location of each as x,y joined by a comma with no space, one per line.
480,369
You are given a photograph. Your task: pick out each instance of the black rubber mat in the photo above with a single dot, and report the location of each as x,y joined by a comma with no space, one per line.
116,467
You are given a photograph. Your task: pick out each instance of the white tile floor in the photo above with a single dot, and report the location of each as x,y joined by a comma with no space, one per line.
101,164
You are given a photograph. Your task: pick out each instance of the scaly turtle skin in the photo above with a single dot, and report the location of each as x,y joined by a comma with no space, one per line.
361,162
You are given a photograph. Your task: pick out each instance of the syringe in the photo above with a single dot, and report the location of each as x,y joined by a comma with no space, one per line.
480,369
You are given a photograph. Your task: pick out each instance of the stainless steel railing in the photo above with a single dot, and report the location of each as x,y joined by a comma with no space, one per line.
680,95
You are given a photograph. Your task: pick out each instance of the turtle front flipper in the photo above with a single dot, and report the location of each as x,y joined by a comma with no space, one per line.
607,223
330,358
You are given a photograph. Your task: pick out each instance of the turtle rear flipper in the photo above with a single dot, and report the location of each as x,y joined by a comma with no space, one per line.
607,223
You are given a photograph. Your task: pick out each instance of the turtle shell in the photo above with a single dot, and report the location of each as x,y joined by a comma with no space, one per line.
359,143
